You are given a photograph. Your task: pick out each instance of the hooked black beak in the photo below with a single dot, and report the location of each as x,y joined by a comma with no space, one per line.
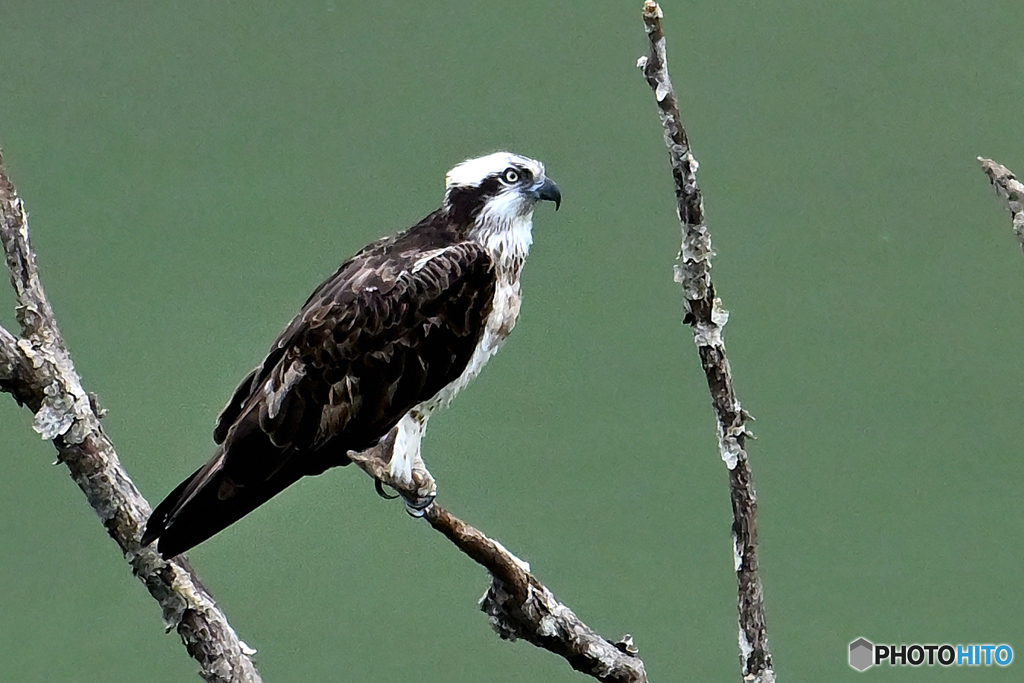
549,191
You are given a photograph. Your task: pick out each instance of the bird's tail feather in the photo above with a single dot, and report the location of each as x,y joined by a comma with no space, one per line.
207,502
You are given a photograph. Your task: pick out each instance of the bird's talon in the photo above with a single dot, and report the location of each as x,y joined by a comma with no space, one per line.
417,507
379,488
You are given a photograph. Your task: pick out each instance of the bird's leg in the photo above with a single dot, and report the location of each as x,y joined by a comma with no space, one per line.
407,468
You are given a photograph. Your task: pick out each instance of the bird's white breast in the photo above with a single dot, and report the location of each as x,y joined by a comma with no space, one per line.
500,321
502,318
508,246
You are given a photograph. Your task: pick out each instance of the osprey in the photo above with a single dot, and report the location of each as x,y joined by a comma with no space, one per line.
395,333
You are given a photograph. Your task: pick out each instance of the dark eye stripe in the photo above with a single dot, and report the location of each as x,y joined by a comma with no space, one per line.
466,202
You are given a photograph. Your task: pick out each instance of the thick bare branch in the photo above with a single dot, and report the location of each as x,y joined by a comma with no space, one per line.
1010,189
520,606
15,372
37,370
704,313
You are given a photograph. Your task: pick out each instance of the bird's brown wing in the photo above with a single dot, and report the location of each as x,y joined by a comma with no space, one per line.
391,328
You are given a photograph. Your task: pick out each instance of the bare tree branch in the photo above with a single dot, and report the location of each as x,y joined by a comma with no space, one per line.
36,369
1010,189
519,606
704,313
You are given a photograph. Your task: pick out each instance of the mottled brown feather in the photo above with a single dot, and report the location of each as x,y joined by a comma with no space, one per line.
378,337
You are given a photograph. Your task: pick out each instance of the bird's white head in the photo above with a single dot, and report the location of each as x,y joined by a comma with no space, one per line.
494,197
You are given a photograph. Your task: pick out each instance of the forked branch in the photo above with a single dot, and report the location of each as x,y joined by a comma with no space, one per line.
36,369
703,311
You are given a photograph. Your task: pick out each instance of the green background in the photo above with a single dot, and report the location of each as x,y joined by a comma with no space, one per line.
194,169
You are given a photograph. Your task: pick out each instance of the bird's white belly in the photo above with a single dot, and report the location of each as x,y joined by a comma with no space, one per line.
411,428
503,316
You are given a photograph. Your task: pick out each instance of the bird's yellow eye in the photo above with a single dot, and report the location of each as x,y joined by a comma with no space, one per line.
510,175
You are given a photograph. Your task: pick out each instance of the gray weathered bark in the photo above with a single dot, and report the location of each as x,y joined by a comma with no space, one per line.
520,606
36,369
703,311
1010,190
